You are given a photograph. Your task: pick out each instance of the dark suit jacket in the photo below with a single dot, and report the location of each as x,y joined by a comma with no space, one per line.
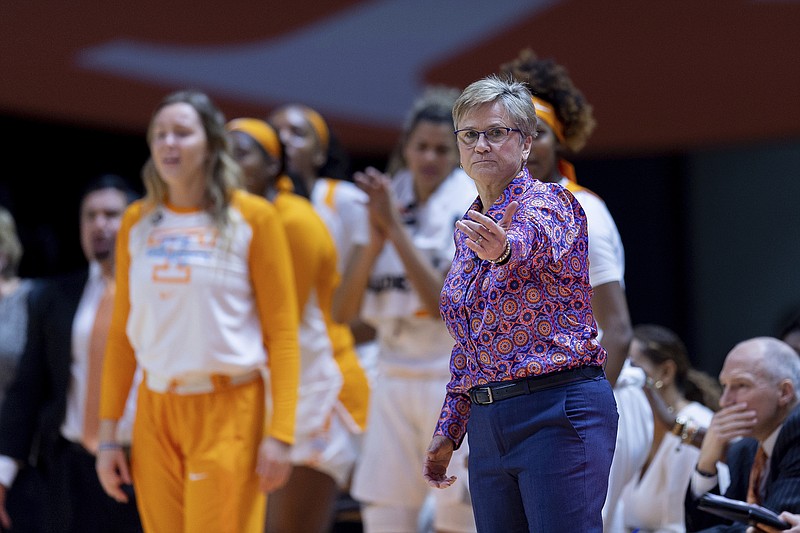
782,492
35,408
36,400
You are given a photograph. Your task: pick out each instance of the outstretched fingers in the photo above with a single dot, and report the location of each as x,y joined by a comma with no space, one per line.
487,238
511,210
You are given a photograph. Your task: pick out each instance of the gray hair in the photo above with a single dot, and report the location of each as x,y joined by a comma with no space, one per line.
778,361
513,95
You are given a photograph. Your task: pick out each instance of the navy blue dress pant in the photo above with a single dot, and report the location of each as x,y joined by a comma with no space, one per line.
540,462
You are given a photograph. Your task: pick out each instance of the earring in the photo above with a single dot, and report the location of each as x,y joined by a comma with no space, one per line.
658,384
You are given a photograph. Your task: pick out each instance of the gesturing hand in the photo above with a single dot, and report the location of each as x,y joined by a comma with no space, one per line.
486,237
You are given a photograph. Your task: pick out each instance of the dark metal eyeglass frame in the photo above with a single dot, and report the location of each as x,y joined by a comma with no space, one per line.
470,143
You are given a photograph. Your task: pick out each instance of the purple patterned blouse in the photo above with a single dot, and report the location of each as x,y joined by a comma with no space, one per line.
529,316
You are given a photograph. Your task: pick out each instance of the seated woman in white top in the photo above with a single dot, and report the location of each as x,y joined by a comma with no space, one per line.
653,500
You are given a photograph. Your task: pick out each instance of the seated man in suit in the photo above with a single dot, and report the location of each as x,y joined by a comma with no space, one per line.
756,432
50,408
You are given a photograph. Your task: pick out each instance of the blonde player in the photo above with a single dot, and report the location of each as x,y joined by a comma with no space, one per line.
205,304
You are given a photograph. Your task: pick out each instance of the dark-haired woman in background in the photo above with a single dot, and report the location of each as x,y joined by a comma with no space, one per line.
318,166
324,452
653,501
565,124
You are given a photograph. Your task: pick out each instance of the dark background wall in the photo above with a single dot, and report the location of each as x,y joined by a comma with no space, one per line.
744,243
712,240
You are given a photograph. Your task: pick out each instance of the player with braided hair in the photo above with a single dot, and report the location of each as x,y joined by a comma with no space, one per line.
564,126
565,123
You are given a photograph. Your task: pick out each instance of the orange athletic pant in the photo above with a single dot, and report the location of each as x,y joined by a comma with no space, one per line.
194,459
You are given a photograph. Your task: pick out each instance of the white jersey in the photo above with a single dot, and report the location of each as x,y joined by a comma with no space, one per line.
196,295
343,208
408,337
194,299
320,377
606,254
196,306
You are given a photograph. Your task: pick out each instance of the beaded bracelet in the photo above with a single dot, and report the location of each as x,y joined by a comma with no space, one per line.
504,256
105,446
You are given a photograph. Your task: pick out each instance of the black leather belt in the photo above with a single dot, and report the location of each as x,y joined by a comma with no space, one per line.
502,390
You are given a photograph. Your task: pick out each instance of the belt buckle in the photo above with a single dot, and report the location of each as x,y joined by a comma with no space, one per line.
490,397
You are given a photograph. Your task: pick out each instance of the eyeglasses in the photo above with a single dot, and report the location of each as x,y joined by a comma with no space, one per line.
469,137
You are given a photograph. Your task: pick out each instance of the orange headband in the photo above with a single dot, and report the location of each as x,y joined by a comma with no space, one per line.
319,125
263,133
547,113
